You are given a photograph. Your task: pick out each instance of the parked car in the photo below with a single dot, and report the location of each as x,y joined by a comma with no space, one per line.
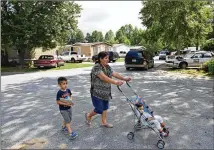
139,58
122,54
163,54
192,60
113,57
70,56
48,61
174,55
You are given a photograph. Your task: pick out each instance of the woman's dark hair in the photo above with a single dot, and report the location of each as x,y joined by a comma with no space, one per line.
101,55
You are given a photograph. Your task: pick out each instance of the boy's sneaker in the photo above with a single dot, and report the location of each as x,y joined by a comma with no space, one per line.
73,135
163,134
64,129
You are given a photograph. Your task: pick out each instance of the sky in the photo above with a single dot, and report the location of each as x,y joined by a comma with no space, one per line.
106,15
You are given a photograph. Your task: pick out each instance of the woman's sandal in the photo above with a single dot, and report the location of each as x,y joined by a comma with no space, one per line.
88,122
107,125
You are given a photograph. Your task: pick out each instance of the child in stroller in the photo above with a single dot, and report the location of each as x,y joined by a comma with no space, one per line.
153,119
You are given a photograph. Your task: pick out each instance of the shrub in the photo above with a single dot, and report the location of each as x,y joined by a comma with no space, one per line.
206,65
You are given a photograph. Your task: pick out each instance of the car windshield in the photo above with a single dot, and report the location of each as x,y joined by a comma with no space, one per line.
49,57
162,52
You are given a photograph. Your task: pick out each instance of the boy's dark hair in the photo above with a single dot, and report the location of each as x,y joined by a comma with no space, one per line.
60,79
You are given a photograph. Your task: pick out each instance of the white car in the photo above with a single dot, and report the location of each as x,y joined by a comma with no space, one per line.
71,56
122,54
191,60
174,55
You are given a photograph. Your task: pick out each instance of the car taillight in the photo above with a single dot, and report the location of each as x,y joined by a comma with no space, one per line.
52,61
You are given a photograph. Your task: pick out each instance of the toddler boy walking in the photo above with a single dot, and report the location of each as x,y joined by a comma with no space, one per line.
63,95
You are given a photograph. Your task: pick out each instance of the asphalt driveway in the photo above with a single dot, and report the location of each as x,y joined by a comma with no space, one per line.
29,111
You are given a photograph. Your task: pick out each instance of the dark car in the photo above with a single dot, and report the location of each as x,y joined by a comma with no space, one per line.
48,61
113,57
163,54
139,58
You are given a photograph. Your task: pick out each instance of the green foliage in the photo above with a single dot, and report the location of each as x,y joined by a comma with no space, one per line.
76,36
30,24
88,38
209,66
208,45
97,36
176,23
109,37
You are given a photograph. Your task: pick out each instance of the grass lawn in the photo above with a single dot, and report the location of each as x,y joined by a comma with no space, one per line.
120,60
67,66
194,72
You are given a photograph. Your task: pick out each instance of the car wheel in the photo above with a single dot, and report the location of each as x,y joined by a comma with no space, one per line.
73,60
183,65
38,67
80,61
127,68
113,61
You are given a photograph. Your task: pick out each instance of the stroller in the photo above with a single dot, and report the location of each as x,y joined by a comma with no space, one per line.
141,124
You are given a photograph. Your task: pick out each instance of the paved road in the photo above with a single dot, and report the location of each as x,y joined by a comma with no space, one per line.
30,111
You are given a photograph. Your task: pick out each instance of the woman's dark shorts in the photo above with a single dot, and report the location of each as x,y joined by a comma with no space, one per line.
99,104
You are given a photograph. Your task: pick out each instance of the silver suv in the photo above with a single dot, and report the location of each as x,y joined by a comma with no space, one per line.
192,60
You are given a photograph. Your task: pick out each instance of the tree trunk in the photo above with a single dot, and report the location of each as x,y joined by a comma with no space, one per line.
4,58
21,57
197,43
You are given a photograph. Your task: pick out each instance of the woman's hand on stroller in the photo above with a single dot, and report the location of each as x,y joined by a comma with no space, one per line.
127,79
119,83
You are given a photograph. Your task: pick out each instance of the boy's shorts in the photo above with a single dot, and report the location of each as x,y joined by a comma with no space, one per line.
67,115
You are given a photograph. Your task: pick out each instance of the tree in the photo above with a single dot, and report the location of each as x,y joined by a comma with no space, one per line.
178,23
72,38
88,38
127,30
100,35
208,45
128,34
31,24
109,37
97,36
80,36
136,37
121,38
200,21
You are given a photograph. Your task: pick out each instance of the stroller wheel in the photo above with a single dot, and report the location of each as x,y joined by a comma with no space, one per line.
130,135
160,144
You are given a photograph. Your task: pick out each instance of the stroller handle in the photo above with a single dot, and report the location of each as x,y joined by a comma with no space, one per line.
127,83
120,85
